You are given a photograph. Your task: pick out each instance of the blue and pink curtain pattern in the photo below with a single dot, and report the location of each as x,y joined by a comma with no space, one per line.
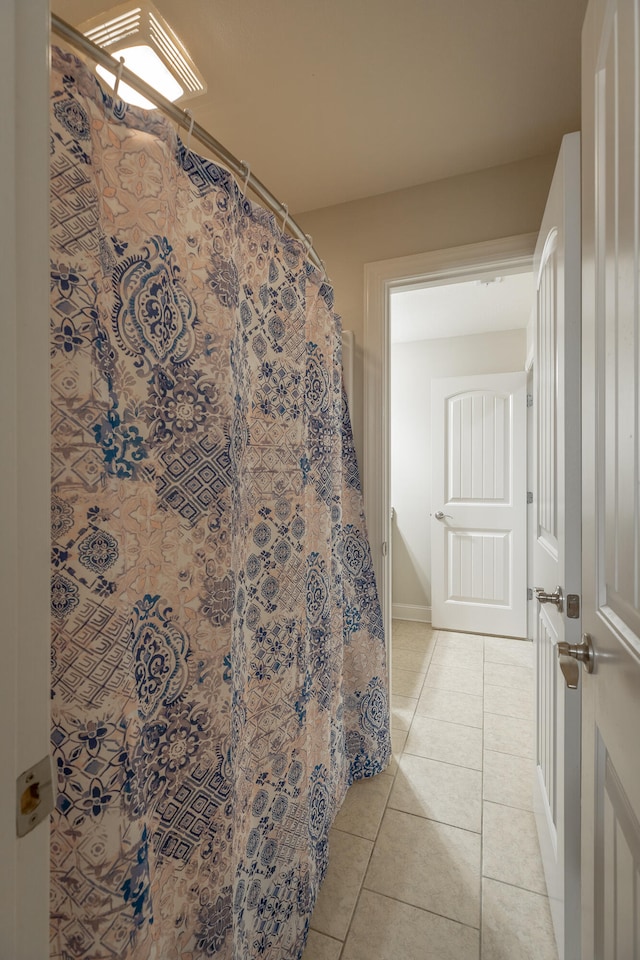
218,656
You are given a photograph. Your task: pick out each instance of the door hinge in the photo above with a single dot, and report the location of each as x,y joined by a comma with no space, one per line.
529,399
573,606
529,593
529,496
34,796
385,548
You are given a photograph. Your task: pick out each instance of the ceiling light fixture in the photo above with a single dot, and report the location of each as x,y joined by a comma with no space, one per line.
151,49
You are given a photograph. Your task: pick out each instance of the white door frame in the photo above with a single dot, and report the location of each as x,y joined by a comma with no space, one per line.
24,466
507,255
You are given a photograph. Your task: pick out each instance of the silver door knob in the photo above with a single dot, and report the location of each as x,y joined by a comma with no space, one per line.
555,597
579,651
569,654
439,515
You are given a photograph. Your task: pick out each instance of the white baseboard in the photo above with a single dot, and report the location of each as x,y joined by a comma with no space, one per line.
411,611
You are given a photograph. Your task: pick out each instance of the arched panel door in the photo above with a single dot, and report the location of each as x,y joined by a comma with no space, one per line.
478,516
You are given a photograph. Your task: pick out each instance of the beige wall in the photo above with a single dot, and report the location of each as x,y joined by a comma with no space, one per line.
486,205
413,366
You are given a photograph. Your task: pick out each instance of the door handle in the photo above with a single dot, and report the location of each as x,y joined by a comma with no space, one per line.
439,515
579,653
583,652
555,597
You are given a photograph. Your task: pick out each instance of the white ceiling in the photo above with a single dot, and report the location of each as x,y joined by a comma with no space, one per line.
458,309
334,100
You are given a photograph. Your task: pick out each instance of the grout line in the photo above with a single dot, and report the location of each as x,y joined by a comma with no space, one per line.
450,763
355,908
516,886
328,937
434,913
507,716
443,823
468,726
507,753
508,806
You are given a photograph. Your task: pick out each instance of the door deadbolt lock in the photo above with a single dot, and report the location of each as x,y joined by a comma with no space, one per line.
555,597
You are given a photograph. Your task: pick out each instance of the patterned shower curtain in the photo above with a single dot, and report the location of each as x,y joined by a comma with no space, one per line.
218,658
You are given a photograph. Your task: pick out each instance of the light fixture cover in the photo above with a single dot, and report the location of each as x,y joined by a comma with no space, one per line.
137,24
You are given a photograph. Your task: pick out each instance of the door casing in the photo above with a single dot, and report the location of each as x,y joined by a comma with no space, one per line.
25,467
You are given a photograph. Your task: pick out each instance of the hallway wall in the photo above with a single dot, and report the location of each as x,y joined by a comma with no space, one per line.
413,366
485,205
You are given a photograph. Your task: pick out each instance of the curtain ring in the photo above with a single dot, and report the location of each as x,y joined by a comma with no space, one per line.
247,167
118,77
286,216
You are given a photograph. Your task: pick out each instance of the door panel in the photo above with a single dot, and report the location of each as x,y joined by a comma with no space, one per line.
556,549
478,486
617,872
478,443
479,566
611,479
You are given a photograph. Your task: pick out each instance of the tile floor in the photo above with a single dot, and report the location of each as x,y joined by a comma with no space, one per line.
437,858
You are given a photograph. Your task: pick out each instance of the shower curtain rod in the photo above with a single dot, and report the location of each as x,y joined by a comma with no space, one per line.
78,40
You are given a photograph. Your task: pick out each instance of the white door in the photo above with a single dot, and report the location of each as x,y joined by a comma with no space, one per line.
479,512
556,547
611,480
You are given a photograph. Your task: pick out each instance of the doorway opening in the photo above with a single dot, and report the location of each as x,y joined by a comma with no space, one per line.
457,421
384,281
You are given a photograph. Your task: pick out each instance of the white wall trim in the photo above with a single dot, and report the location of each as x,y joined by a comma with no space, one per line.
25,467
508,255
411,611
